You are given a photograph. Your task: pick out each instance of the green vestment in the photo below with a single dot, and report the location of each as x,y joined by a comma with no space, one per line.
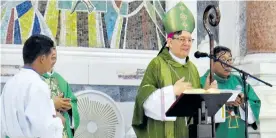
162,71
58,86
233,127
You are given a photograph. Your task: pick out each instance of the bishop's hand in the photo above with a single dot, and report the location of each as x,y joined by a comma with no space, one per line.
180,86
213,85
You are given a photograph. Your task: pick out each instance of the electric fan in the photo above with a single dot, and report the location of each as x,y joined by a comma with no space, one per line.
99,116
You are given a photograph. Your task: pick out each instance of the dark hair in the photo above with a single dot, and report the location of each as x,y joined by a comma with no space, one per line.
177,33
219,49
36,46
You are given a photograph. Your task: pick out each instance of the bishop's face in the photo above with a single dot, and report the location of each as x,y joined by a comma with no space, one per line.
180,45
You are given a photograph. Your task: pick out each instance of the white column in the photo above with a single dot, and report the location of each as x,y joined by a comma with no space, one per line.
263,67
229,26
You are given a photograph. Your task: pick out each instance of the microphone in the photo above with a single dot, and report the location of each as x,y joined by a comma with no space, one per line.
200,54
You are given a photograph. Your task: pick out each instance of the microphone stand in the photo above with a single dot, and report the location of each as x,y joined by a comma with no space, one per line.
244,77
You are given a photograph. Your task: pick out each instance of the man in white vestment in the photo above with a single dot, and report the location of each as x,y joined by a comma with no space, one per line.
27,110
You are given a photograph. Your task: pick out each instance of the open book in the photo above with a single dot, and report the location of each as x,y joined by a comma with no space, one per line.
202,91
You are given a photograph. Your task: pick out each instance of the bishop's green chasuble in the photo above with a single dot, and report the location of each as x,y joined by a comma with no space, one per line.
58,86
233,127
162,71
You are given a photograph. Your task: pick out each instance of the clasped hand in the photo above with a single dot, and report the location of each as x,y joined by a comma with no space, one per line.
62,104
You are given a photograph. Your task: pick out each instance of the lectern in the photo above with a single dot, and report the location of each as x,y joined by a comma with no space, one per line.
199,107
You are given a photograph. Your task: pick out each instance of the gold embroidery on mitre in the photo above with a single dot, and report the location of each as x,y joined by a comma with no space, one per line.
183,16
185,25
182,8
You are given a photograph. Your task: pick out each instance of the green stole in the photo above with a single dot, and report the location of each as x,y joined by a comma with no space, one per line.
166,74
58,85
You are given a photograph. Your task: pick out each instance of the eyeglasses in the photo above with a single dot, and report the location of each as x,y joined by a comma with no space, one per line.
230,60
226,59
183,40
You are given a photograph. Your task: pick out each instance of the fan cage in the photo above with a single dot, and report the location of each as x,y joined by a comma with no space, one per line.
104,111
